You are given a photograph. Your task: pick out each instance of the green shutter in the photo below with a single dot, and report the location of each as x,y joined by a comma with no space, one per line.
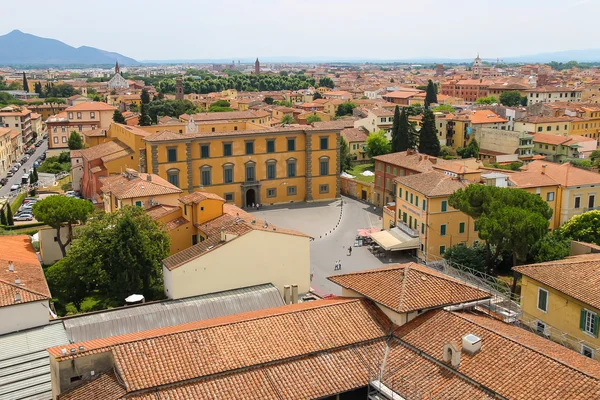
596,325
444,205
582,315
461,227
417,201
400,192
424,205
422,228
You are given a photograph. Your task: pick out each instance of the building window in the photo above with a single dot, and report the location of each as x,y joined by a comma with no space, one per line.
70,115
589,322
228,173
205,175
442,250
272,192
204,151
172,155
444,205
443,230
411,198
424,204
577,202
550,196
271,170
539,128
229,197
422,228
400,192
173,177
92,115
291,144
213,129
542,302
138,203
461,227
291,168
541,328
323,189
250,172
325,143
291,190
548,128
324,166
64,139
249,147
587,351
227,149
55,139
591,201
78,115
270,146
63,129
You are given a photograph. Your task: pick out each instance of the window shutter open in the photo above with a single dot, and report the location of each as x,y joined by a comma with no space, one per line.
596,325
582,320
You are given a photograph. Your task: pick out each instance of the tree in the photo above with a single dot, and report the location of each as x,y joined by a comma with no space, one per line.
2,217
512,98
75,142
507,219
287,119
345,108
551,247
378,144
392,80
326,82
313,118
9,215
317,95
445,108
524,101
447,152
145,96
25,84
471,151
118,117
431,94
35,174
401,131
144,117
428,138
470,257
583,227
62,212
486,100
345,156
269,100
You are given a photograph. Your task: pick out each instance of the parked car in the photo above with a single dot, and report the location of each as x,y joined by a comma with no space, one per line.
3,181
30,200
9,174
45,136
23,217
14,187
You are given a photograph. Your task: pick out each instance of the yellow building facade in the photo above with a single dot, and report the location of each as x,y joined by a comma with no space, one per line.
245,168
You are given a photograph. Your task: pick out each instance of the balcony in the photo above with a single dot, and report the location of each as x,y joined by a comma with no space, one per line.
404,228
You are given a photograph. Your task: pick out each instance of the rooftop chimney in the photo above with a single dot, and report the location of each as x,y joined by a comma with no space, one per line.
287,294
149,178
451,354
294,294
17,297
471,344
223,236
11,266
17,281
543,169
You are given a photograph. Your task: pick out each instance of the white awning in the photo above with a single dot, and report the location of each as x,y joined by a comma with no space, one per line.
395,240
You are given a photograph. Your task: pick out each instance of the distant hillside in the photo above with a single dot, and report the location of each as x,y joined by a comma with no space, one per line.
21,48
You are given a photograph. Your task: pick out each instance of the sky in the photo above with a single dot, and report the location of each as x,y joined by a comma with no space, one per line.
376,29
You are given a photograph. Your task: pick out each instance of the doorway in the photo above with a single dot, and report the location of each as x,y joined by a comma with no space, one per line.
364,195
250,197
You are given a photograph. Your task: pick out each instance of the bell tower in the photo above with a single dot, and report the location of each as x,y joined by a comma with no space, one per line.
257,67
178,89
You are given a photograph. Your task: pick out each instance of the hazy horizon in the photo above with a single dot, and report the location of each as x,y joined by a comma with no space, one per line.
383,30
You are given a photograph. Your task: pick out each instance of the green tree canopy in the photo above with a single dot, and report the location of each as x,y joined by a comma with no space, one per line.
507,219
345,108
486,100
431,94
118,117
512,98
471,257
115,255
471,151
345,156
61,212
268,99
25,84
326,82
317,95
145,119
445,108
2,217
313,118
583,227
287,119
402,131
551,247
145,96
75,142
378,144
9,215
428,138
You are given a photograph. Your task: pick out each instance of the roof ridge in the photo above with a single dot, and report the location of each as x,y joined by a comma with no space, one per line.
565,261
522,344
403,288
24,288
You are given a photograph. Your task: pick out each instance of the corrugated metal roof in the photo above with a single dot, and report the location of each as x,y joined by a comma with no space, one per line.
171,312
24,362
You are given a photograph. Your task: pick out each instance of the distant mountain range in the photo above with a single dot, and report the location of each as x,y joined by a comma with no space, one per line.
18,48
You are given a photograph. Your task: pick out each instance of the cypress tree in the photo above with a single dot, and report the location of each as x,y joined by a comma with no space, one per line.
396,131
35,173
2,217
144,117
401,141
118,117
25,84
9,215
431,95
428,141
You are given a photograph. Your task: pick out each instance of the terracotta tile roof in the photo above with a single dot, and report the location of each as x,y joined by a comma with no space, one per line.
410,160
402,94
137,185
512,362
559,139
354,135
409,287
197,197
19,250
5,131
94,133
565,174
230,115
433,183
180,353
480,117
542,119
104,149
528,179
161,210
577,277
91,106
9,290
554,89
105,387
176,223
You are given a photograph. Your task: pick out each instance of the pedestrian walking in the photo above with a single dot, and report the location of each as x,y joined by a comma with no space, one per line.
350,250
340,265
257,206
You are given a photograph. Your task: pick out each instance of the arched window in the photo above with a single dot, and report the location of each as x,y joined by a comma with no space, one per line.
206,175
324,166
250,171
228,173
173,176
271,169
291,167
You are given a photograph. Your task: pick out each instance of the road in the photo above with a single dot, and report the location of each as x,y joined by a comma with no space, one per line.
332,237
5,190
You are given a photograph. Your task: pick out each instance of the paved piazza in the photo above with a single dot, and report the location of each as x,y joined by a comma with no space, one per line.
332,236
